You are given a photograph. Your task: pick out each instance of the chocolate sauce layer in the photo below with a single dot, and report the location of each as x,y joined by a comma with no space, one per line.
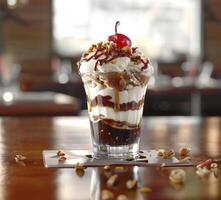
106,102
104,133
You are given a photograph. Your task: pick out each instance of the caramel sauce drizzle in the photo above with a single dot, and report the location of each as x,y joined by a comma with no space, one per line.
116,101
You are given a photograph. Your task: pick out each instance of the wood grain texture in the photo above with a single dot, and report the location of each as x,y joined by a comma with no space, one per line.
29,136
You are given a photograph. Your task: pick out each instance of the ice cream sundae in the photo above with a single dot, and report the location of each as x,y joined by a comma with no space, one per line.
115,77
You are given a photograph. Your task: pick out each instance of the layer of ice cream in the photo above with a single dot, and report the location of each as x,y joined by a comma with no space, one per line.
125,106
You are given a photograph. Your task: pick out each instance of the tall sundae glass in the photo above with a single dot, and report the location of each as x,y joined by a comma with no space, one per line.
115,77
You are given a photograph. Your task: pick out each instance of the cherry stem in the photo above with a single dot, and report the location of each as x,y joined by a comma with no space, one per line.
116,25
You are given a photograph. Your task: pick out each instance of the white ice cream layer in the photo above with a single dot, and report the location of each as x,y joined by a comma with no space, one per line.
132,117
125,96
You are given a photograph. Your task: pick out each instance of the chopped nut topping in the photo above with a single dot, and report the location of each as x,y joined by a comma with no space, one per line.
145,190
177,176
184,151
131,184
119,169
107,195
105,52
60,153
79,170
165,154
122,197
113,180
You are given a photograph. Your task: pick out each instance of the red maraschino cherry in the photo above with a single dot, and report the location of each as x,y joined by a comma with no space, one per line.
119,39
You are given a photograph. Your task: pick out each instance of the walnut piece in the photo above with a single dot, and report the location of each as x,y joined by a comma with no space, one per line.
60,153
165,154
184,151
79,170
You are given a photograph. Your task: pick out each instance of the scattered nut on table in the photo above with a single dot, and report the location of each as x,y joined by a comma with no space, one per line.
177,176
184,151
79,170
165,154
19,159
107,195
112,180
131,184
122,197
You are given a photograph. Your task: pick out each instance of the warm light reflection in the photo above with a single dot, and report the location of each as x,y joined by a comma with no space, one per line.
95,185
188,133
160,132
75,127
72,122
213,187
2,166
213,136
69,185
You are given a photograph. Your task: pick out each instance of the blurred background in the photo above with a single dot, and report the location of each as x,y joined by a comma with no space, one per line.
41,41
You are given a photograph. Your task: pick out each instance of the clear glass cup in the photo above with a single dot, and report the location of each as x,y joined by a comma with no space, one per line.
115,115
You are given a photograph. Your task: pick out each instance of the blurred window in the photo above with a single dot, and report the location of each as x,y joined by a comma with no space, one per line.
166,30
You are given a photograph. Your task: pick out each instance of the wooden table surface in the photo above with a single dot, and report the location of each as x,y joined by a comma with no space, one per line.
29,136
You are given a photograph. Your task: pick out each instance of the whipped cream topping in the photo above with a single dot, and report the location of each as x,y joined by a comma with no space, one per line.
107,57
